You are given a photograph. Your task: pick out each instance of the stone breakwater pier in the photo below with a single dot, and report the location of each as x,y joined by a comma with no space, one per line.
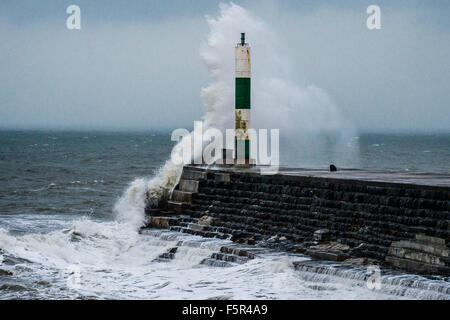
395,220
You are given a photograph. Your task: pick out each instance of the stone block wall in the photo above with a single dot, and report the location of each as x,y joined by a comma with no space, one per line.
366,216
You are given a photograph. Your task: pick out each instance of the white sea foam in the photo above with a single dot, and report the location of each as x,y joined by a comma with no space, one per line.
116,262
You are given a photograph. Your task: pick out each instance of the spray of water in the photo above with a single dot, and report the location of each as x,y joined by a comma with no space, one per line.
303,115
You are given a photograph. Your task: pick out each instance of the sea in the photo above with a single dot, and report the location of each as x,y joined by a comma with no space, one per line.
62,235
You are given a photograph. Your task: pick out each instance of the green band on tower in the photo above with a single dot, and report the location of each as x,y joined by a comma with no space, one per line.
242,93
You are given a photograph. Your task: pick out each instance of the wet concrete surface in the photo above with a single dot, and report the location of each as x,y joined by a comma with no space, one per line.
397,177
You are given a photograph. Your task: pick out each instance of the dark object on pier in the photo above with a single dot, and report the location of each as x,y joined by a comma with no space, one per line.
333,168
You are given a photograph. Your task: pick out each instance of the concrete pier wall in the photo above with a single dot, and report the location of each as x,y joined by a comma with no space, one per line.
402,225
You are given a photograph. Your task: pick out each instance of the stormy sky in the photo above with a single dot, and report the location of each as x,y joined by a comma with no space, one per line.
136,64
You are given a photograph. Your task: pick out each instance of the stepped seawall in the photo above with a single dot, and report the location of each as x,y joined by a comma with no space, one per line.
397,220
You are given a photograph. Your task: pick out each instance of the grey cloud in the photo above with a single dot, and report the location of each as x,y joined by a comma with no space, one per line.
148,73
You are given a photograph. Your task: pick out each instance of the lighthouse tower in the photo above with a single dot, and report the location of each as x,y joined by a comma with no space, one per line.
242,101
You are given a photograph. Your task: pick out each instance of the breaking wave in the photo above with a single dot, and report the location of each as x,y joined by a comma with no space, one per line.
306,116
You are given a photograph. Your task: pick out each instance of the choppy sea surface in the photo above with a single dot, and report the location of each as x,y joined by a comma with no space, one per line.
60,238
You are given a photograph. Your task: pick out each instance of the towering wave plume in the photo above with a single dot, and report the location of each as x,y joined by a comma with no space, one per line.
306,117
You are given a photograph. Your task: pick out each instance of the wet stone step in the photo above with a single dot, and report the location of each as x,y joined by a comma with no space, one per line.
162,222
221,228
216,263
182,196
206,234
176,228
221,259
176,206
196,226
197,214
186,218
166,256
189,185
229,257
160,213
238,252
185,224
194,175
